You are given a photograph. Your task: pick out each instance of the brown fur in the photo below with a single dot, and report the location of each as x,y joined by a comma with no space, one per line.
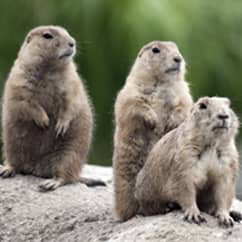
154,100
47,120
194,165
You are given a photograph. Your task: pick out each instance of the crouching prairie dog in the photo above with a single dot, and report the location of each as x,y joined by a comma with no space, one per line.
47,119
154,100
194,165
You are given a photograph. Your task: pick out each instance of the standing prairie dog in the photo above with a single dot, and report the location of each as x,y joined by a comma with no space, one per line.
47,120
154,100
194,165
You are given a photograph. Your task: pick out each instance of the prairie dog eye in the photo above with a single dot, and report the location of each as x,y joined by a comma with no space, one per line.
155,50
47,36
202,106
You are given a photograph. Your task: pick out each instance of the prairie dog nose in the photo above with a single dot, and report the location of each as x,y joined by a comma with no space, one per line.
223,116
177,59
71,44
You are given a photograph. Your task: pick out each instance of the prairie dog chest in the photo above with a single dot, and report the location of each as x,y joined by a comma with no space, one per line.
165,102
50,96
208,165
162,100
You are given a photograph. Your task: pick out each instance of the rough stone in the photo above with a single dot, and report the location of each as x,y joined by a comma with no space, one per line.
77,213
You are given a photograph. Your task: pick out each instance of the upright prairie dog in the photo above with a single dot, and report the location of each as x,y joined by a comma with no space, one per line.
47,120
194,165
154,100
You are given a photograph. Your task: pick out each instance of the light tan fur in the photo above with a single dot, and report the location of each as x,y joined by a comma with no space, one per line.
47,119
154,100
194,165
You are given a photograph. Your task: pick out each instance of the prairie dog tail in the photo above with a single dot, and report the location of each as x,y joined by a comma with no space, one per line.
92,182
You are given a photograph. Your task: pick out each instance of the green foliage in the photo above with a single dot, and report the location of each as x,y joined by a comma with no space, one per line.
110,33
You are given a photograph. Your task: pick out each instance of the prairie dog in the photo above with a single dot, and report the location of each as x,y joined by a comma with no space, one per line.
47,119
194,165
154,100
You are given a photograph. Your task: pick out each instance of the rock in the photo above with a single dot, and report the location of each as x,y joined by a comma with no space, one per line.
77,213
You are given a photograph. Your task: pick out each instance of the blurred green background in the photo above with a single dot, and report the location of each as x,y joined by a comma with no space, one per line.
109,34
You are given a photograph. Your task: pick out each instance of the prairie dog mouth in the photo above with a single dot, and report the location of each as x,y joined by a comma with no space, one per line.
173,69
221,127
66,53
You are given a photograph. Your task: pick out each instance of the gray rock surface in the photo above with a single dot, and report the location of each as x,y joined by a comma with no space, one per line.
78,213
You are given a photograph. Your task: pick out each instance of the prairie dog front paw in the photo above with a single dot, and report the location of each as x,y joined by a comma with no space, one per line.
61,127
224,219
50,185
42,120
7,171
151,118
194,216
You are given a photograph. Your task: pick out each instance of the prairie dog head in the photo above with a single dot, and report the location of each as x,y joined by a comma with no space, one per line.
162,60
50,45
213,117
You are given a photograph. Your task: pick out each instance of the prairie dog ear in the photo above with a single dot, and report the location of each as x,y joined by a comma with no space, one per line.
28,39
203,100
227,101
145,48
